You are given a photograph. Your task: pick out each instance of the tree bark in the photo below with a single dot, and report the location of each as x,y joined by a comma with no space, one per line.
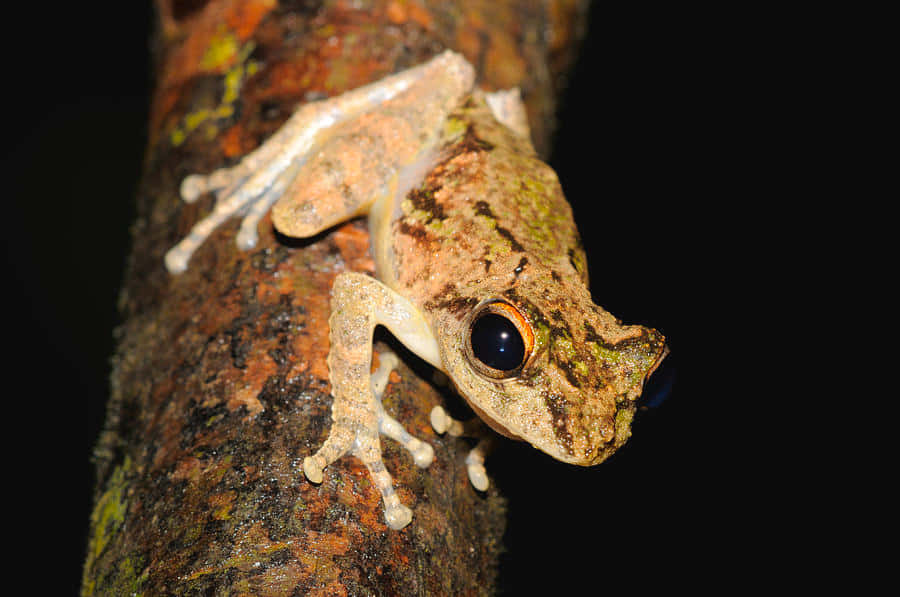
219,385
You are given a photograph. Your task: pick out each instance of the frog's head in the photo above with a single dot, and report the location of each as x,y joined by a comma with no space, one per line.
547,365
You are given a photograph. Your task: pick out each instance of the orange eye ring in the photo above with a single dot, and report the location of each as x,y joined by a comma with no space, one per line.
499,340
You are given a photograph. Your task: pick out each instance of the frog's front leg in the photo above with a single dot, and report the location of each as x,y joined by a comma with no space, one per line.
358,304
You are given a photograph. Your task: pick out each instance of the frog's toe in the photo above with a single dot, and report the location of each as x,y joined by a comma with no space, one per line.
423,454
192,187
478,476
247,237
176,260
442,422
397,516
312,469
475,465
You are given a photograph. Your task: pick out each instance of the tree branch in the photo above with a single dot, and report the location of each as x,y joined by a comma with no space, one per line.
220,386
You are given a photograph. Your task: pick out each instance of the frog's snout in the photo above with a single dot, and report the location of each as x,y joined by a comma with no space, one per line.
659,359
656,388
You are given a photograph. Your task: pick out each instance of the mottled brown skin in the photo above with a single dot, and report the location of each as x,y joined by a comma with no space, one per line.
491,222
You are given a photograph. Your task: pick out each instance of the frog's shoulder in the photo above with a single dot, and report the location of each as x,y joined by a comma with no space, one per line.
487,209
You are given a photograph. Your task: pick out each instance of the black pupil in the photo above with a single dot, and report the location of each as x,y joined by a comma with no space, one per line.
496,342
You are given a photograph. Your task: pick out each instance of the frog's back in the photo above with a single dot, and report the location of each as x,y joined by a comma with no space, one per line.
489,211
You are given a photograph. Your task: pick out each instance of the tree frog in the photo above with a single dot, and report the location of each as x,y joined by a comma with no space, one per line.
479,268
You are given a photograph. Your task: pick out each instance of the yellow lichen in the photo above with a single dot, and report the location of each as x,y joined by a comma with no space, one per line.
106,519
222,51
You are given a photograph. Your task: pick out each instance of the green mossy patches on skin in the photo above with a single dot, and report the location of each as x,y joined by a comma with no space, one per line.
624,417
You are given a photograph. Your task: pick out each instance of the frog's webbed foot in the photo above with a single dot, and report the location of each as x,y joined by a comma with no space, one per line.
396,514
359,303
442,423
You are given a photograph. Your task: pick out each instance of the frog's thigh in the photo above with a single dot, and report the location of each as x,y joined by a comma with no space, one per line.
340,182
359,303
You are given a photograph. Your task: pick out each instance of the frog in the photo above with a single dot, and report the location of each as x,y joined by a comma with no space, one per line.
479,269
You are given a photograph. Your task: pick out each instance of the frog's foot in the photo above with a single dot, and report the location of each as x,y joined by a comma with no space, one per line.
444,423
249,189
364,444
396,514
359,303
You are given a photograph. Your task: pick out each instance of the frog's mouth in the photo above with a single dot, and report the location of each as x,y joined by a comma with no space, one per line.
488,420
655,389
659,359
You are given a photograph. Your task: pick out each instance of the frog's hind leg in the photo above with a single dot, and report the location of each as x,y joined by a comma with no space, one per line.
359,303
249,188
336,188
233,198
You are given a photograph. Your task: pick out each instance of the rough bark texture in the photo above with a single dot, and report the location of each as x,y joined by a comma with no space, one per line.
220,386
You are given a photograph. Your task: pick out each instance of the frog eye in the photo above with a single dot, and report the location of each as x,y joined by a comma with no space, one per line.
499,340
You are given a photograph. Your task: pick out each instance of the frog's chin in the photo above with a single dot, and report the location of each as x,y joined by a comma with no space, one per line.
496,426
490,422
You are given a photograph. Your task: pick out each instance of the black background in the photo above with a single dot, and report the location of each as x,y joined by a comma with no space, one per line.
650,131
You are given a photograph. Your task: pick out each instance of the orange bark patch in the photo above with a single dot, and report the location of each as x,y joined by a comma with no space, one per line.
220,504
289,79
248,396
185,58
419,14
396,12
468,41
244,15
330,543
334,588
232,142
353,243
400,12
189,469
